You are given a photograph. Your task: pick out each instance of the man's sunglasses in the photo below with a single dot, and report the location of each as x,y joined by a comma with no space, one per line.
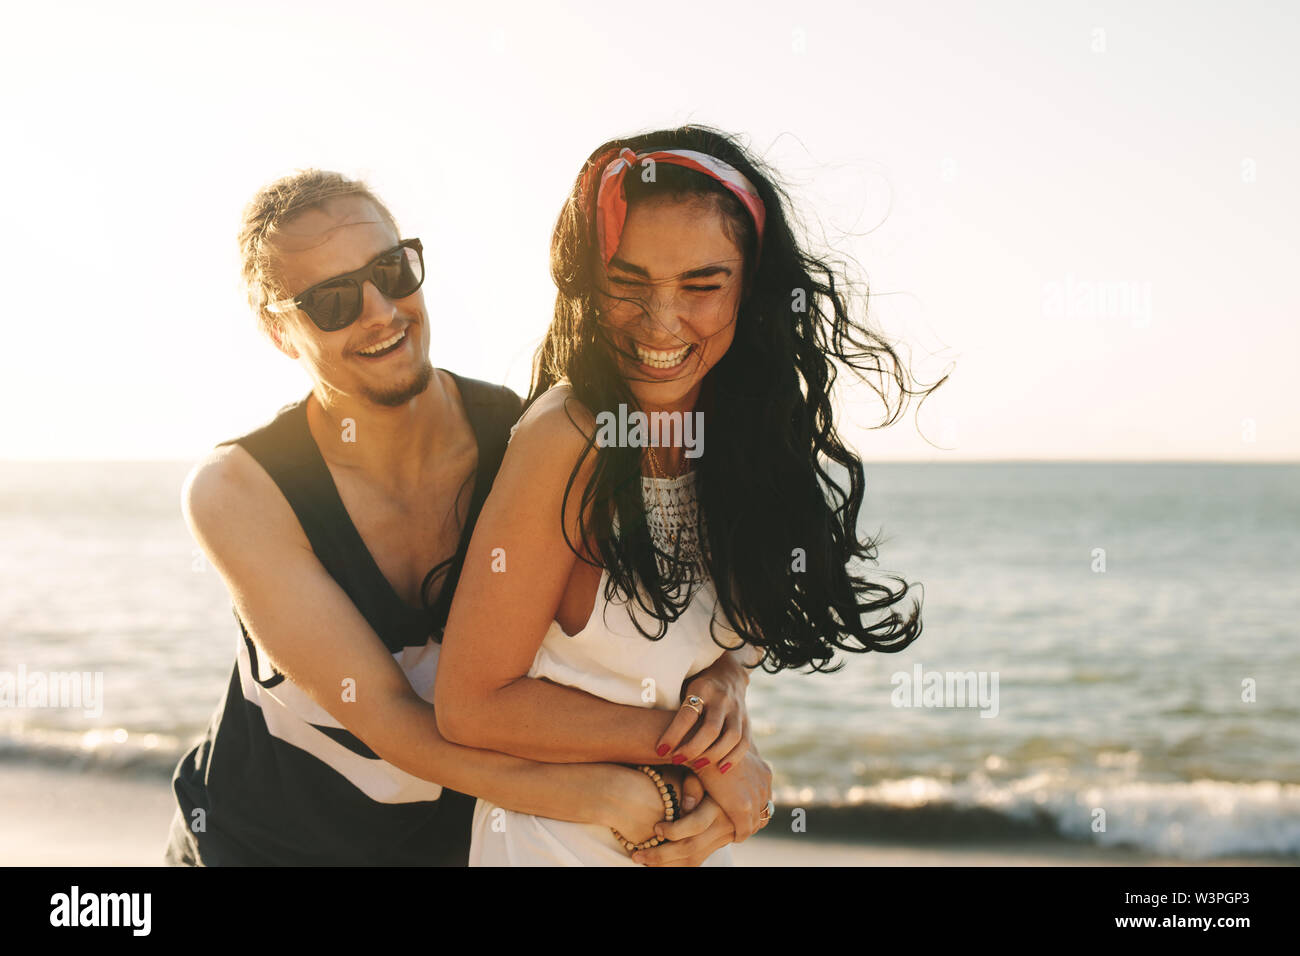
336,303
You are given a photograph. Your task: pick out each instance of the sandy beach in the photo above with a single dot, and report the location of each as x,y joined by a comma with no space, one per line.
59,818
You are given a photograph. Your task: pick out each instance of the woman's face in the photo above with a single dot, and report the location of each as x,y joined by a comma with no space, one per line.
671,299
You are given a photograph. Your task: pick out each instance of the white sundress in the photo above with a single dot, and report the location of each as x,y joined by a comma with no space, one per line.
609,658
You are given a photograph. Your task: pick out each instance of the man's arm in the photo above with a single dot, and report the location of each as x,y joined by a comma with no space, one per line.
311,631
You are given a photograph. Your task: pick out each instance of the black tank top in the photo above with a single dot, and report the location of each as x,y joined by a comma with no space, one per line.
276,780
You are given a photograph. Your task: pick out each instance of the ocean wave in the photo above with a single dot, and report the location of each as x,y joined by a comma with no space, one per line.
1190,820
106,749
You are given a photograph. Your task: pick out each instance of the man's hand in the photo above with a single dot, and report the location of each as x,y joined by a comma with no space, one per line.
638,805
694,837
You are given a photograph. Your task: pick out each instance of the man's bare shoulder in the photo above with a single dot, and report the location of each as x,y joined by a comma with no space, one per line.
227,492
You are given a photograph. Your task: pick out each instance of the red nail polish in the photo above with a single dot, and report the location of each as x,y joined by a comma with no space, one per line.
699,763
663,749
679,759
723,768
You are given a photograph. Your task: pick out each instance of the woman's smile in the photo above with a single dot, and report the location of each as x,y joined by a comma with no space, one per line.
662,363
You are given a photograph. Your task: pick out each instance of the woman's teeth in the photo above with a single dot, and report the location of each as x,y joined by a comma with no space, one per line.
658,359
386,344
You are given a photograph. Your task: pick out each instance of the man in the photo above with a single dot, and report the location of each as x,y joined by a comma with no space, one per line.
339,529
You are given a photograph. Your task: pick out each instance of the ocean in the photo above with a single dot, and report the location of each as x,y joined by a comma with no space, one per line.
1126,634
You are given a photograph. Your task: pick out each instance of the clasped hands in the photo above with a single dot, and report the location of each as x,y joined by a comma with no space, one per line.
723,784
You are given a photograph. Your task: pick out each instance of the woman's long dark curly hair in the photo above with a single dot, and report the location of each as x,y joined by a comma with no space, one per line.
767,491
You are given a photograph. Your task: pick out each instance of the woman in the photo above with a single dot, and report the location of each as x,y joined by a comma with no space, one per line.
613,567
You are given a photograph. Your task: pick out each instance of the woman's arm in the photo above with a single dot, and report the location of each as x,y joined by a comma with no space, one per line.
511,586
514,577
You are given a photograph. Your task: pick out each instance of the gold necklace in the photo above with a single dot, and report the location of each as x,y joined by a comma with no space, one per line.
659,470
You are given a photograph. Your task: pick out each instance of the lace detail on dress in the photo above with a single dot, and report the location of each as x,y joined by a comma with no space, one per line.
672,507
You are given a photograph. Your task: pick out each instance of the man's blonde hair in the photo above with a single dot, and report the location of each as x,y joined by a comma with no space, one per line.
274,206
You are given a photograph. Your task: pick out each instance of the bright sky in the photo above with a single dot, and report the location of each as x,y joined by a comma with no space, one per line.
1087,210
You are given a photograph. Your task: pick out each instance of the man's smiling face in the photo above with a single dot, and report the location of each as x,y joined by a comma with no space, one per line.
343,235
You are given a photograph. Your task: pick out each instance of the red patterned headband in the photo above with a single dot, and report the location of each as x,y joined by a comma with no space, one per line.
611,201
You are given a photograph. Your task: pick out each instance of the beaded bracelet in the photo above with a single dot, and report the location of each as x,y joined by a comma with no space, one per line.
672,810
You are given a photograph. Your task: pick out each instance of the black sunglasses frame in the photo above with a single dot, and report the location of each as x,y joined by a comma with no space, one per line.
358,278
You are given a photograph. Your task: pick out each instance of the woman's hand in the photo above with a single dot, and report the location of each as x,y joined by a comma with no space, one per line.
721,734
742,793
